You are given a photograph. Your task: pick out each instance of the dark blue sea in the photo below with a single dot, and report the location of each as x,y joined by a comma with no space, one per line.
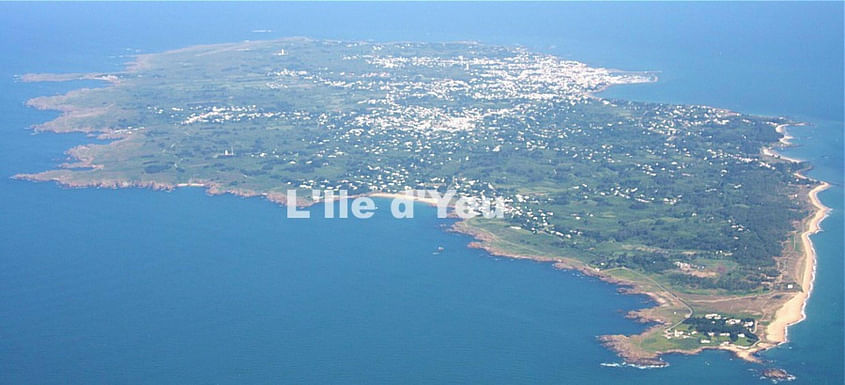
142,287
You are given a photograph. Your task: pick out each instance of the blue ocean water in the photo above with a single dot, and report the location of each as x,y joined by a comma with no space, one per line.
134,286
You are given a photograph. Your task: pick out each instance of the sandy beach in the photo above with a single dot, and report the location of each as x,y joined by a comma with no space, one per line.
769,152
792,311
785,141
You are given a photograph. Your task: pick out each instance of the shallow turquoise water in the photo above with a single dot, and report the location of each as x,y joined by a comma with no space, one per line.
134,286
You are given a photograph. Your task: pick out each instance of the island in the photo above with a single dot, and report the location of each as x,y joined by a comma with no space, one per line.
687,204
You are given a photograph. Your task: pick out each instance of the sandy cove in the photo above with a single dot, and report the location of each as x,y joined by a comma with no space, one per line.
785,141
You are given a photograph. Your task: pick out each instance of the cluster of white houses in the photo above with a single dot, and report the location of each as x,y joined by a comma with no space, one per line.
712,337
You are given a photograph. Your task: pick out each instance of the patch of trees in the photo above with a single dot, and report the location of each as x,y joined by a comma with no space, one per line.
156,168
